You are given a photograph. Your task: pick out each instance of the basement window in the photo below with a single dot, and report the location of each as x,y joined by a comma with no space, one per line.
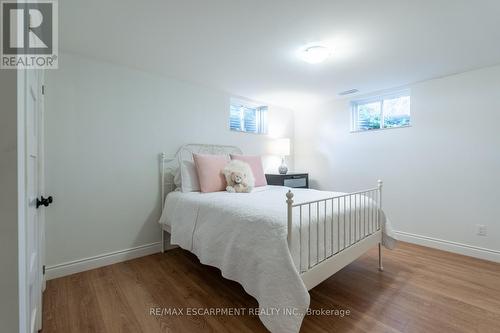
247,117
386,111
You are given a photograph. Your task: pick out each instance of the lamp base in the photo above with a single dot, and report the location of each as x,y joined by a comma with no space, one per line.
283,169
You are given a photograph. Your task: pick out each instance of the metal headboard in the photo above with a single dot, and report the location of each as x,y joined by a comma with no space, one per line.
169,166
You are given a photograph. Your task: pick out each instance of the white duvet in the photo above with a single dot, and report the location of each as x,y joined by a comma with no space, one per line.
245,236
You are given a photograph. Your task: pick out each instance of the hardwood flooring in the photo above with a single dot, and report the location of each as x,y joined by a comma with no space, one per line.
421,290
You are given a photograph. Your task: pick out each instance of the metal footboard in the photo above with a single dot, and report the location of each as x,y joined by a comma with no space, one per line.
337,224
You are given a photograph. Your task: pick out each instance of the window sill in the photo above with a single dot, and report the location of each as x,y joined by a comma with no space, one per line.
379,129
244,132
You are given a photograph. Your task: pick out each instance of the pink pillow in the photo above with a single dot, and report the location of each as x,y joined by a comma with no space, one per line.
255,163
210,172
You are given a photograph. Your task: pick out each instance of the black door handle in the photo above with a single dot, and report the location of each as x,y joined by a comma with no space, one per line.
44,201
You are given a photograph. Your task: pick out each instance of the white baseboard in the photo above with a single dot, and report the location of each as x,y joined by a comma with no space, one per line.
86,264
440,244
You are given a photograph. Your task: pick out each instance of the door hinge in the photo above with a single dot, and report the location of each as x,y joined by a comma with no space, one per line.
43,89
43,269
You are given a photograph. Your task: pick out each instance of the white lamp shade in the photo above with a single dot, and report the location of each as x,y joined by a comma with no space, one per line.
280,147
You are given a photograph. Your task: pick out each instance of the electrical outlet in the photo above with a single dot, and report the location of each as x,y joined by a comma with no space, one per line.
482,230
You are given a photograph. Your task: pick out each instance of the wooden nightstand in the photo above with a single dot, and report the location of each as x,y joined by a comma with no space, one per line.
291,179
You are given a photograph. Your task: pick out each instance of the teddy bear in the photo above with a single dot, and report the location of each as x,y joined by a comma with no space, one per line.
239,177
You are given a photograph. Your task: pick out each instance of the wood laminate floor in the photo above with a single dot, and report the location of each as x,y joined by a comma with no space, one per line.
421,290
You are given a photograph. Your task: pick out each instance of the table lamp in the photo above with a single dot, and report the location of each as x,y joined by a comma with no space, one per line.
281,147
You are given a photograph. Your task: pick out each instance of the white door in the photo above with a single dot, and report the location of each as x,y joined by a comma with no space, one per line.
34,231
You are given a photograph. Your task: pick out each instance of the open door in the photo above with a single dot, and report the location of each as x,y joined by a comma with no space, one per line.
34,241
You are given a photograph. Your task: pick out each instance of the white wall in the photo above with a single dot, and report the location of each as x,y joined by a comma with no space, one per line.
9,286
442,175
105,126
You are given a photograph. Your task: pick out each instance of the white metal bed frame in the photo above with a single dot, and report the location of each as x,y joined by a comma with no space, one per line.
361,225
361,231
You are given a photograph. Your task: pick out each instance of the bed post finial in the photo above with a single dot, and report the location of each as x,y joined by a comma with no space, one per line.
380,183
289,202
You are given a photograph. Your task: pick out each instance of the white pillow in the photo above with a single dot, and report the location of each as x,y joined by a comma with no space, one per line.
177,178
189,177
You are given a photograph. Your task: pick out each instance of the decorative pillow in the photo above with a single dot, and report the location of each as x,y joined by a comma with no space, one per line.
189,178
255,163
210,172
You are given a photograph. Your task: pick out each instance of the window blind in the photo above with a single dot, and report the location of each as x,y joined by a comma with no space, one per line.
248,119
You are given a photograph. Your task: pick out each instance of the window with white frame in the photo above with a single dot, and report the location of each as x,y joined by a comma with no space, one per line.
247,117
381,112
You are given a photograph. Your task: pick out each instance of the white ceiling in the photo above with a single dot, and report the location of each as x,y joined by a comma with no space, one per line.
248,47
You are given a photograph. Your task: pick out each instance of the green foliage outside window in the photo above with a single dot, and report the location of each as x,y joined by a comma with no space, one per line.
383,112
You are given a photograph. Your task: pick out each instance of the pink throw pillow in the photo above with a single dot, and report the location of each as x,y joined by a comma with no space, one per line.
255,163
210,172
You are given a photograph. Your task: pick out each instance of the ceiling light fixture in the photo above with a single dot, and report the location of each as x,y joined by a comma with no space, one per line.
315,54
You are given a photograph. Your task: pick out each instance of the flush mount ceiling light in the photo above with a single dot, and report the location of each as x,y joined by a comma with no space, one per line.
315,54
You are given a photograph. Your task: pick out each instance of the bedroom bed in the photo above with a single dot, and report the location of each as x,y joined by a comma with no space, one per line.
278,243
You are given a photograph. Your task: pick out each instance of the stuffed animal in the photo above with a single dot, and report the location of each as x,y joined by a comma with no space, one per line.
239,177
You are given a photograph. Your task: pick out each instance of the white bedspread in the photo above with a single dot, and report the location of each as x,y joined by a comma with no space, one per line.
245,236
